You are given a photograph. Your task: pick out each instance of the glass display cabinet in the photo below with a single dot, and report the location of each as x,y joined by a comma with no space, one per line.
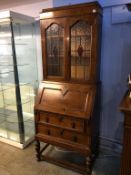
18,83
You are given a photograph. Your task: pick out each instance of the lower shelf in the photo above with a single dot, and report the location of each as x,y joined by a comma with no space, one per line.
64,158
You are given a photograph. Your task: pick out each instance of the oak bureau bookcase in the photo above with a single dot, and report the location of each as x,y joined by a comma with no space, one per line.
67,104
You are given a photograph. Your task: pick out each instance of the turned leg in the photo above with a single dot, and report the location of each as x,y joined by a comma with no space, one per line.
37,148
88,165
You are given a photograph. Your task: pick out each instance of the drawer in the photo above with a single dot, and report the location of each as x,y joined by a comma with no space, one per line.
62,121
63,134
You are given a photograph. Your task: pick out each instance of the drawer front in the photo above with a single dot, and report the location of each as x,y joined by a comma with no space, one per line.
62,121
63,134
76,138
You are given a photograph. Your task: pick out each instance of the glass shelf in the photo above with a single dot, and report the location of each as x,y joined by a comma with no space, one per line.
11,44
9,128
5,55
26,90
5,112
57,37
14,104
7,72
15,65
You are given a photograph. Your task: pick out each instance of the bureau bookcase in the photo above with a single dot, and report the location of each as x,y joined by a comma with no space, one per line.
67,104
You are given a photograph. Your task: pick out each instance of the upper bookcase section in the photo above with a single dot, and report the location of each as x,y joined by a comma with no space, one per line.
71,42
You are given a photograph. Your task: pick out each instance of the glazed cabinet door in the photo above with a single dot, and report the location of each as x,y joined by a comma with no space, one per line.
83,33
53,48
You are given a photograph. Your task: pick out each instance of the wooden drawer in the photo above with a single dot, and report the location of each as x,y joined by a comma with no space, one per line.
63,134
62,121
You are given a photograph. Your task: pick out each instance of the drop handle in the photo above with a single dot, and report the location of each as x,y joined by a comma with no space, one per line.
48,132
69,53
75,139
73,125
62,131
61,118
47,119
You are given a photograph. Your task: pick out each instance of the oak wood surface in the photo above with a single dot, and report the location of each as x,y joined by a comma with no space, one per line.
125,107
67,109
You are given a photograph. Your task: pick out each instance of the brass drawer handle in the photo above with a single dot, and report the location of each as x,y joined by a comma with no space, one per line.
73,125
47,119
61,118
48,132
75,139
62,131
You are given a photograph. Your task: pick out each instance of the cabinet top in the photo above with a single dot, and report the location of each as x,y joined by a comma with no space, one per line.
65,11
7,15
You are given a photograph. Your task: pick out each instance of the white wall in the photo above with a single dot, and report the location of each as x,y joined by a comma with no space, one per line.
31,9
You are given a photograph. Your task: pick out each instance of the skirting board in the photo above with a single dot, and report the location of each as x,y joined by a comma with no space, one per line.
109,144
16,144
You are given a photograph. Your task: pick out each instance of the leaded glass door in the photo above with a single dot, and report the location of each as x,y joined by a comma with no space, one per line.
54,50
81,48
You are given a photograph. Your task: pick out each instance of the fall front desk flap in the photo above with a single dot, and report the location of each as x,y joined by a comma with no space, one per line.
66,98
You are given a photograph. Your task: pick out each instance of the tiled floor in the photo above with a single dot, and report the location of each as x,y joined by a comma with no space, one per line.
14,161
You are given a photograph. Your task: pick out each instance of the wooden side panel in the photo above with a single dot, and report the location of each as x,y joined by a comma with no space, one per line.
126,155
